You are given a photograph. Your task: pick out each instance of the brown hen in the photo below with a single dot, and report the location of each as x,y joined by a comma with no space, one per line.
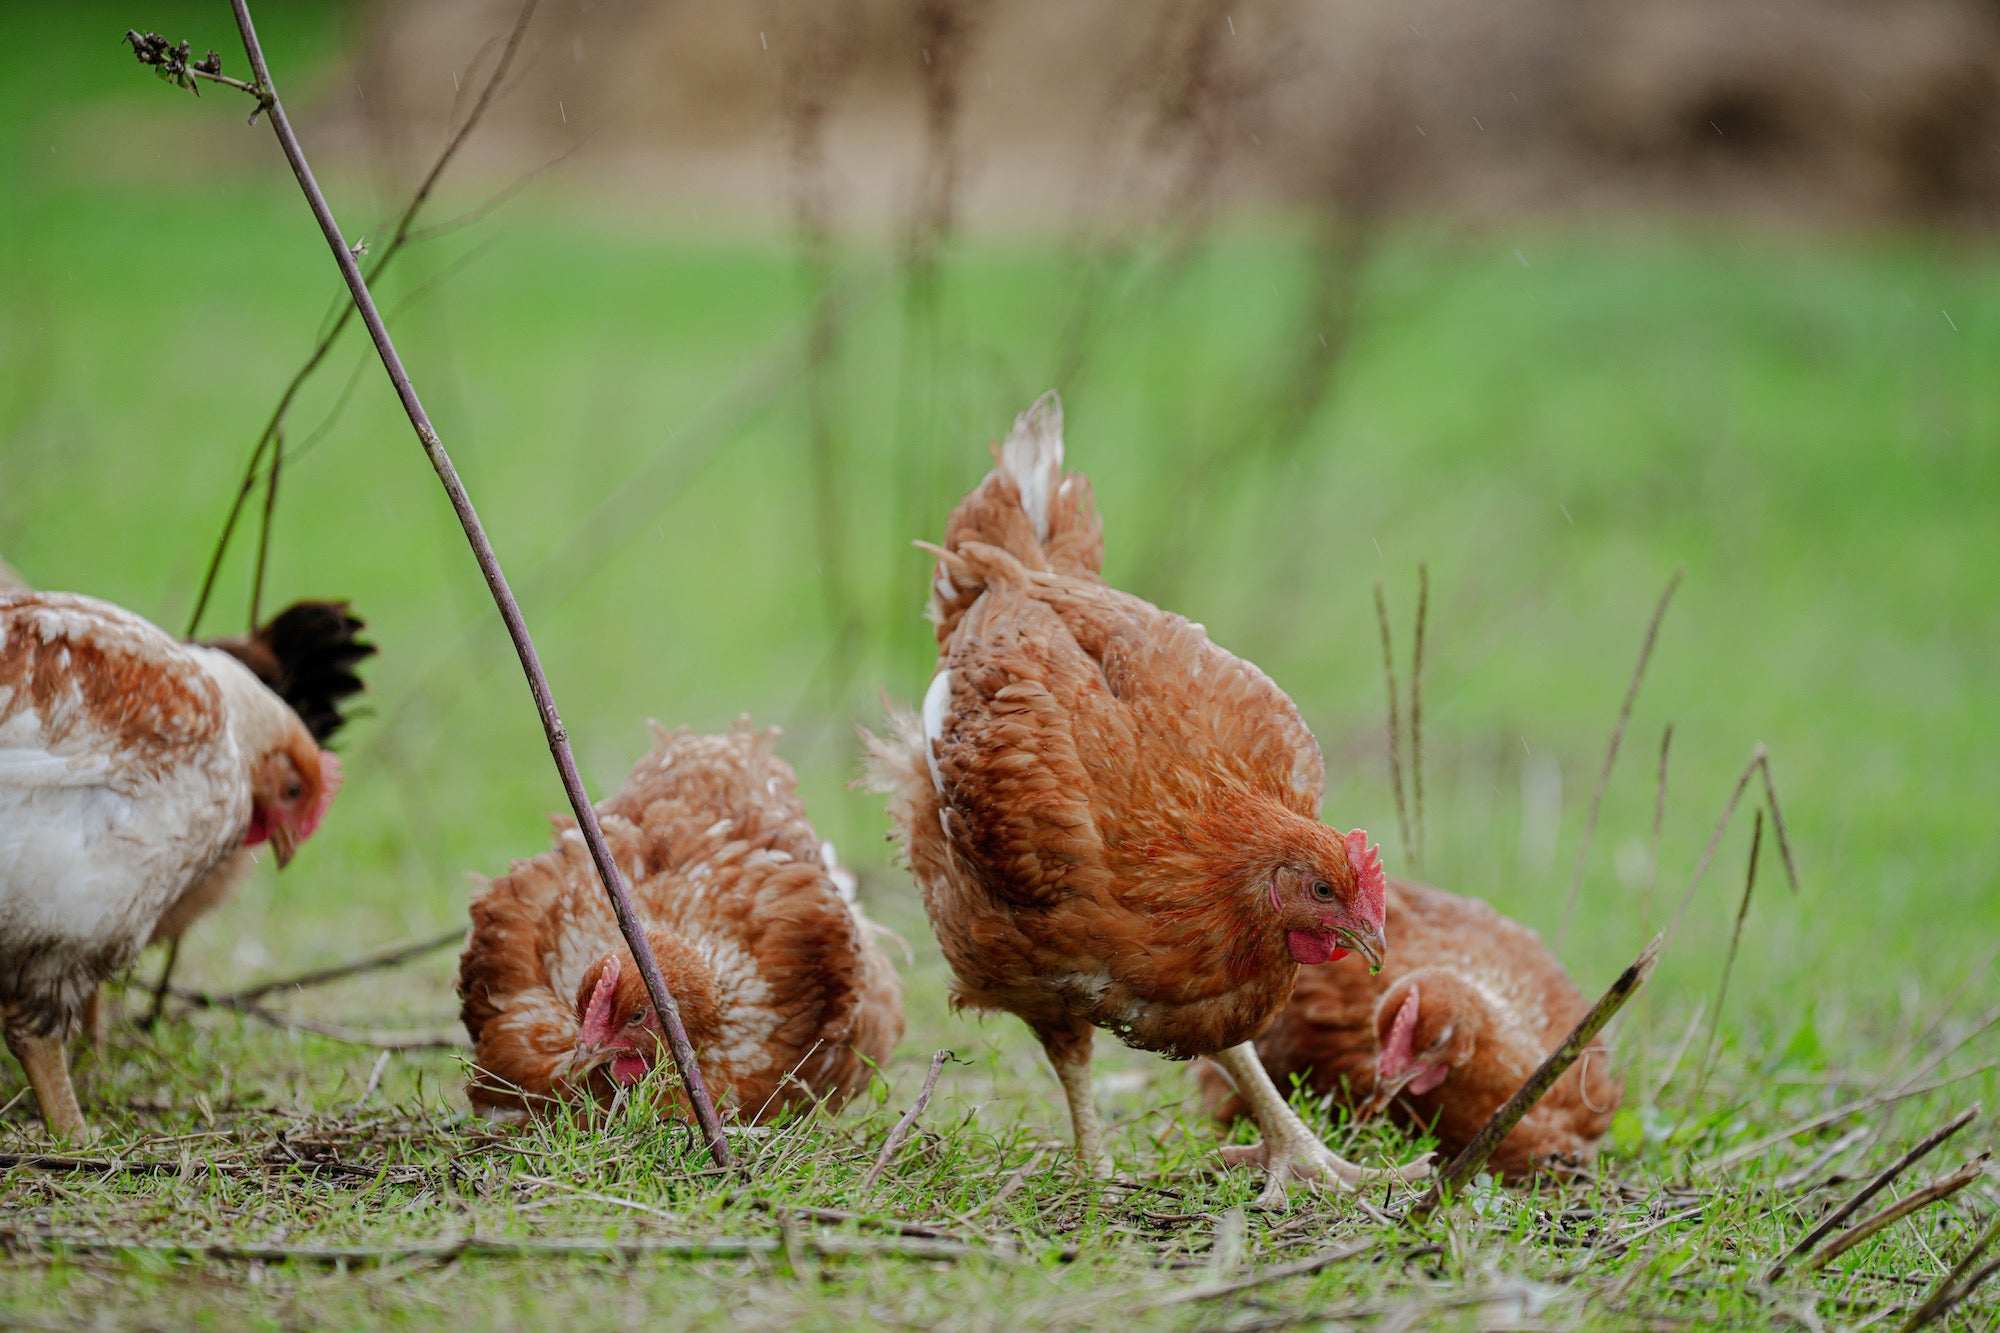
786,998
1466,1006
1112,820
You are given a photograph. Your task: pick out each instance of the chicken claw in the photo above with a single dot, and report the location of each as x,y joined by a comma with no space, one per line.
1290,1150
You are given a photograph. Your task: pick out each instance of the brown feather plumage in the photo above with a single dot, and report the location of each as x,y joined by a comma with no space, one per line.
784,992
1473,968
1098,803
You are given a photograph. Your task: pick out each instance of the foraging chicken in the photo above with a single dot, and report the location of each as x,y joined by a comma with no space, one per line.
1467,1005
131,766
306,655
785,996
1114,821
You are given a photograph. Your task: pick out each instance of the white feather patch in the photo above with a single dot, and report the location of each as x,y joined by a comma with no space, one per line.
936,700
1032,454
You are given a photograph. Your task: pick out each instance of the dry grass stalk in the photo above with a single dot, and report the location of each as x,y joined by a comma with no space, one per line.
1881,1182
471,1247
1706,1066
266,93
382,1039
901,1130
1395,720
1417,709
1325,1259
1653,876
1759,759
1941,1188
374,962
1755,1147
270,439
1468,1163
1950,1290
1611,750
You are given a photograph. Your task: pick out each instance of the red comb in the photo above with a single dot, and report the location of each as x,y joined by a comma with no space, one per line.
1371,885
595,1029
1396,1051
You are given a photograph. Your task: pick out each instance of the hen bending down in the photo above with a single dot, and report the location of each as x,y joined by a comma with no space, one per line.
306,655
785,996
1467,1005
1112,820
131,767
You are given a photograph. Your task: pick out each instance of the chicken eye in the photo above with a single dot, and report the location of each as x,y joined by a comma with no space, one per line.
293,791
1322,890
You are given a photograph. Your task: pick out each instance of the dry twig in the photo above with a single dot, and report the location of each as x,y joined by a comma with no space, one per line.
1395,721
1706,1064
1941,1188
1876,1186
1949,1291
496,580
1282,1272
1611,750
901,1130
1467,1164
1417,709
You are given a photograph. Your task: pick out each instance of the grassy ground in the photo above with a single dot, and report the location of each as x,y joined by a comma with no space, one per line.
1552,419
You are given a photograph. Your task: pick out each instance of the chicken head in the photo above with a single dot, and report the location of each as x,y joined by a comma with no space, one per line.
1331,905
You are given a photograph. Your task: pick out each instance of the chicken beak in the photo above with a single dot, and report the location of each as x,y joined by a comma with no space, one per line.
1384,1094
1368,942
284,843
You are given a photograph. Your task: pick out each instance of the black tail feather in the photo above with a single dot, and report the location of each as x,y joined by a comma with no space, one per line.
307,654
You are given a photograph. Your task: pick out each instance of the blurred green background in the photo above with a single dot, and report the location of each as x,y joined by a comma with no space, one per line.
1552,408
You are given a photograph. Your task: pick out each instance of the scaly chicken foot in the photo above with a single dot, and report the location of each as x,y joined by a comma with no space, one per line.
1075,1078
1290,1150
46,1063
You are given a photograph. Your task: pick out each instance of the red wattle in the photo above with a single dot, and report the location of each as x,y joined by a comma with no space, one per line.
1312,947
259,830
627,1070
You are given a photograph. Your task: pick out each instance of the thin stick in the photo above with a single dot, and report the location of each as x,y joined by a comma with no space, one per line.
271,476
629,923
1778,824
1653,881
1468,1163
1835,1116
1947,1292
1417,708
1302,1268
901,1130
383,1039
717,1247
262,90
1941,1188
1611,750
1715,838
1703,1069
1395,723
1875,1186
374,962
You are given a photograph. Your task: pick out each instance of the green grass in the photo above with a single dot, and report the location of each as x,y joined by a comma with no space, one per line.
1553,419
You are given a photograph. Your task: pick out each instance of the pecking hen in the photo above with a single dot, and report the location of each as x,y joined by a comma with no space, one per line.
1114,821
786,998
1467,1005
131,767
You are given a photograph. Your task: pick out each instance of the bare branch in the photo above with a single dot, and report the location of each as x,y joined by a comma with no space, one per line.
1941,1188
1875,1186
901,1130
629,923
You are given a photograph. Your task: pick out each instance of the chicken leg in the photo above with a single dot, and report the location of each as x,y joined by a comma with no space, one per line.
1290,1150
1069,1052
46,1063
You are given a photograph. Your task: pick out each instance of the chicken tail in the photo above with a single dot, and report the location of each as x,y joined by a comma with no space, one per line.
1026,506
307,655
